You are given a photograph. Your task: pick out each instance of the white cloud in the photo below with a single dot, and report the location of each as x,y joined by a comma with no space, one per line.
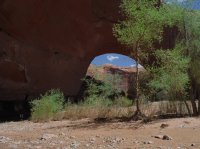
112,58
139,66
175,1
180,1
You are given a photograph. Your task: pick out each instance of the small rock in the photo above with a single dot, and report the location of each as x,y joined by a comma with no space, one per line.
118,140
62,134
164,125
158,136
136,142
48,136
87,145
4,139
74,144
72,137
182,126
98,136
193,144
92,140
147,142
166,137
163,137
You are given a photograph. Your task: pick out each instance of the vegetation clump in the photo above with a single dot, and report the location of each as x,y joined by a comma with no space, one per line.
143,25
49,104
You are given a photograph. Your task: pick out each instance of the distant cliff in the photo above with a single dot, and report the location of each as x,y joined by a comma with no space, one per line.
126,74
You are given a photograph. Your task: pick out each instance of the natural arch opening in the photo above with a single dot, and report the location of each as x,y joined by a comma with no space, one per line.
115,69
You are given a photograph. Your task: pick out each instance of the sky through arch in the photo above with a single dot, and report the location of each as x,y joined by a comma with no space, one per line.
114,59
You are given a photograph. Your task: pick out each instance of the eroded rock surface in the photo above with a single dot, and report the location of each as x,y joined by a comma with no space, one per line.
125,76
50,44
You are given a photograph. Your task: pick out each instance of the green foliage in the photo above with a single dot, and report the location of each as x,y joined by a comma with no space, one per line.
47,105
106,93
108,88
170,74
192,41
144,22
97,101
144,25
123,102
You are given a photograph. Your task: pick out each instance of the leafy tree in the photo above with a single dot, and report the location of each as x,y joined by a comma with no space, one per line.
143,25
107,88
171,75
189,29
189,37
191,32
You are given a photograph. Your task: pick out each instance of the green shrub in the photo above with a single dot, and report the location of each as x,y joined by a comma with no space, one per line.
97,101
107,86
123,102
171,76
47,105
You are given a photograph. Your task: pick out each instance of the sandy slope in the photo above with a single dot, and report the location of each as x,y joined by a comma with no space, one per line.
87,134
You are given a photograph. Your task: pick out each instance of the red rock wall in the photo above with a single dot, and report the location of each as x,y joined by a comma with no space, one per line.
48,44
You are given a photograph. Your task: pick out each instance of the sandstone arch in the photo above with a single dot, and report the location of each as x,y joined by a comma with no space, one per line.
53,42
50,43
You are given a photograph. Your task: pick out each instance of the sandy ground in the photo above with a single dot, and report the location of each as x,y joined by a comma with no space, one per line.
86,134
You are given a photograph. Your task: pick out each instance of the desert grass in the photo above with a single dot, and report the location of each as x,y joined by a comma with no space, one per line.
51,106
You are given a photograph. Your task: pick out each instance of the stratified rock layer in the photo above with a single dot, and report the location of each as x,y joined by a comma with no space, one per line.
126,76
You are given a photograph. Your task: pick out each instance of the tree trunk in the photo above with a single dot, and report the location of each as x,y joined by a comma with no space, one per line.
194,107
188,108
193,97
198,106
193,89
138,114
137,80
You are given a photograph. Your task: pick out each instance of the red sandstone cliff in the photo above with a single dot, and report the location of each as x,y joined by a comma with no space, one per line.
49,44
127,75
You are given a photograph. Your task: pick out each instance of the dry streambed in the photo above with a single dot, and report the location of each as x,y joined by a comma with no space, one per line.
183,133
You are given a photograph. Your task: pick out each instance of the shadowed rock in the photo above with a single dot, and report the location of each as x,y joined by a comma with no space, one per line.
50,44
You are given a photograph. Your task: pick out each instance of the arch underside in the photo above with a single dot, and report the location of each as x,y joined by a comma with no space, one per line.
50,44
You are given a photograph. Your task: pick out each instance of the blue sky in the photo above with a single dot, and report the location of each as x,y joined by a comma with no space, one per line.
196,4
115,59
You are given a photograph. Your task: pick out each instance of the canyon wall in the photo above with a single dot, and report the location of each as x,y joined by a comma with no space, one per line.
50,44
